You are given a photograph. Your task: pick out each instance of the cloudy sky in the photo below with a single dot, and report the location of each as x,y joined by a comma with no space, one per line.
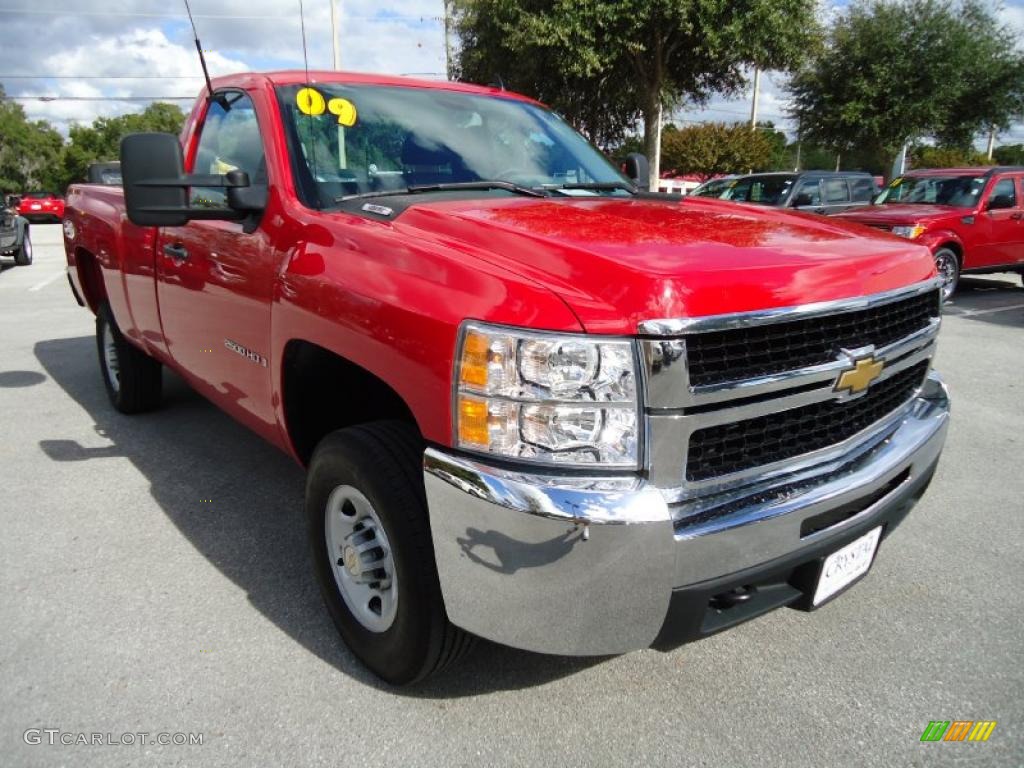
98,51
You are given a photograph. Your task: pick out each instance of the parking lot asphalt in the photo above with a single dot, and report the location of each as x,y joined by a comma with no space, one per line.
154,578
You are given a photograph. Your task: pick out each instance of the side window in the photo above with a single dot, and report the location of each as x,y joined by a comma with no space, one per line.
836,191
807,194
229,140
863,189
1004,188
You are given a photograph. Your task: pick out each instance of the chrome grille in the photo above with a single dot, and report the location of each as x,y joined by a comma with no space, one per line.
735,399
728,448
745,353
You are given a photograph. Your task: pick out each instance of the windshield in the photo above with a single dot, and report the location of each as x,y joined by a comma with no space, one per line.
763,190
357,140
713,188
961,191
38,195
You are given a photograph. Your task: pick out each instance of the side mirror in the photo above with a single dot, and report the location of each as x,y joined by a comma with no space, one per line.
156,186
803,200
998,202
638,170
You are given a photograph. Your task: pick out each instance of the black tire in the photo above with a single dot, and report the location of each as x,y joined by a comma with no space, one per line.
23,256
948,265
137,384
383,461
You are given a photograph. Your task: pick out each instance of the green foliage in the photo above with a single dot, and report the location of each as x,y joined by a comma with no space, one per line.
1009,154
777,159
710,149
29,151
892,71
603,62
101,141
945,157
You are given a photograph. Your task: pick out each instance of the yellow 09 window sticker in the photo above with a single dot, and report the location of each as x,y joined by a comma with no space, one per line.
311,102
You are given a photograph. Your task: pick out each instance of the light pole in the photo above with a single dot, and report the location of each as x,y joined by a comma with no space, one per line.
336,52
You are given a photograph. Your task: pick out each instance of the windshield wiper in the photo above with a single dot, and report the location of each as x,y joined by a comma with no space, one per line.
597,186
455,186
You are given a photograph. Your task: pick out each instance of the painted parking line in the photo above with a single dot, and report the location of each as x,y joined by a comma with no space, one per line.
40,285
976,312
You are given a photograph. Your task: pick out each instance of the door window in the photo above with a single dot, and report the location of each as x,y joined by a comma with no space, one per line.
229,140
836,191
808,194
1005,189
863,189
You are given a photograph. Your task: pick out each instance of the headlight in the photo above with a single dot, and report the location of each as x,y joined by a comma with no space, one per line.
909,232
547,398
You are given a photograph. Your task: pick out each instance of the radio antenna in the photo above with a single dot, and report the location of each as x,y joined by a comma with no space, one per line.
199,50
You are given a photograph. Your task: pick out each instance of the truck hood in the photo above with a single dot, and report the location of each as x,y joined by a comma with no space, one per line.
618,262
896,215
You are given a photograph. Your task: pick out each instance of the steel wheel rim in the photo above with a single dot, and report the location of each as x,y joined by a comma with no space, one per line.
110,358
360,557
945,262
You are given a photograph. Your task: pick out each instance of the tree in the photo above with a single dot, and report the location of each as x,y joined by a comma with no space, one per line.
28,150
631,56
890,72
101,141
711,149
924,156
507,43
777,159
1009,154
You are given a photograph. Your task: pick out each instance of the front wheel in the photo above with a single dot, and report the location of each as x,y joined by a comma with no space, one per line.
372,553
133,379
23,256
948,265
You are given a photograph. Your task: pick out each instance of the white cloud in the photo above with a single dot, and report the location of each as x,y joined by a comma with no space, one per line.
140,47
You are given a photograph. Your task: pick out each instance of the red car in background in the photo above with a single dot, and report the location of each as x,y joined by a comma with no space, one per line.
972,219
41,206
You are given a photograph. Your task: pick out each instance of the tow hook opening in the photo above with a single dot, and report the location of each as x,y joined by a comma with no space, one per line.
735,596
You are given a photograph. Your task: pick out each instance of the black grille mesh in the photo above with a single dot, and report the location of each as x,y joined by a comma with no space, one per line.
745,353
727,448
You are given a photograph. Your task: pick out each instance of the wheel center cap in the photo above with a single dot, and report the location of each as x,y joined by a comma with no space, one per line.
351,558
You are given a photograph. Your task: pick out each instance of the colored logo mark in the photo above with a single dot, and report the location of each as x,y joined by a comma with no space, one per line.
958,730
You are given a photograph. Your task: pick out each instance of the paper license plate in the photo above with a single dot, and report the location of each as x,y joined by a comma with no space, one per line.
846,565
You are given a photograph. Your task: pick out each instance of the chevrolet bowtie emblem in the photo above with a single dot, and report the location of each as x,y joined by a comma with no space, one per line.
859,377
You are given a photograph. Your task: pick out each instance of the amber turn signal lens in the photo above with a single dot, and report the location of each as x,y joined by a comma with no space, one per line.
473,366
473,421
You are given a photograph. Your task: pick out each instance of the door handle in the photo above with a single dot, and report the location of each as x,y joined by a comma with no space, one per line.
1017,216
176,251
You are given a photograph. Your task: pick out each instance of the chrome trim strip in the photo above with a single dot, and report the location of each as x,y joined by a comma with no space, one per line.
680,325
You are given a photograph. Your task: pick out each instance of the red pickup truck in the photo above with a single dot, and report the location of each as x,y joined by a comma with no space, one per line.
536,403
972,219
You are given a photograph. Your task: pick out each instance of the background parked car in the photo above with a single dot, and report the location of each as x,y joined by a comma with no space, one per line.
14,239
108,174
41,206
971,218
825,192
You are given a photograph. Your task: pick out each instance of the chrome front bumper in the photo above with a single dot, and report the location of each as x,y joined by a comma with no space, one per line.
588,566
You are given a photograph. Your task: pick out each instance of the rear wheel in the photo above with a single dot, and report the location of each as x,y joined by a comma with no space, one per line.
133,379
372,553
23,256
948,265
